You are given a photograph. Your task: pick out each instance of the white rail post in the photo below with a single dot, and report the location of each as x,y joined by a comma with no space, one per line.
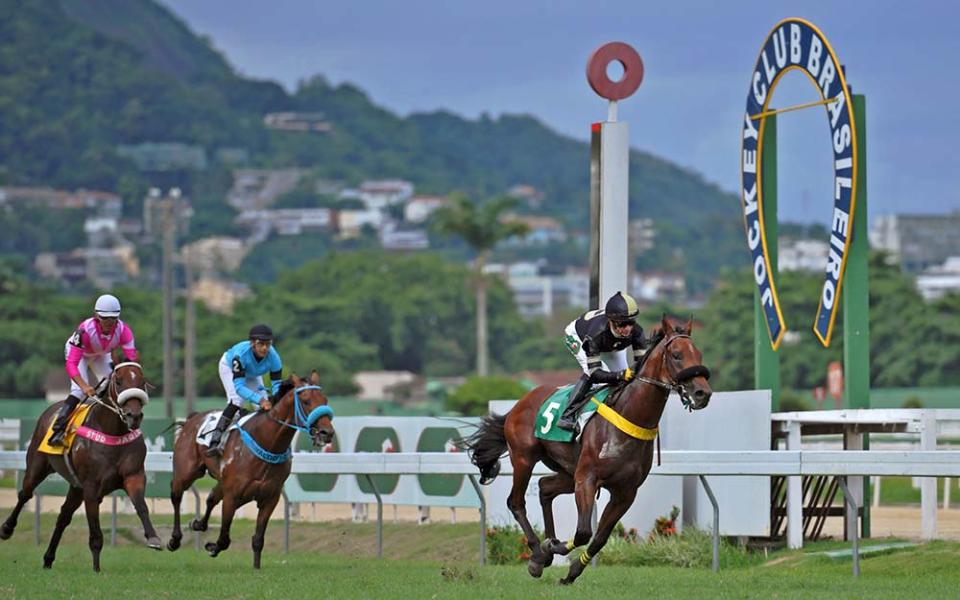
928,485
853,441
794,493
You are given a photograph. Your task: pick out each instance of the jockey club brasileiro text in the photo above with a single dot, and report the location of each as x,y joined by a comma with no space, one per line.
795,44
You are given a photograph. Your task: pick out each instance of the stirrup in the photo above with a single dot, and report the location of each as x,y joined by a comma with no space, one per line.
567,425
214,451
56,439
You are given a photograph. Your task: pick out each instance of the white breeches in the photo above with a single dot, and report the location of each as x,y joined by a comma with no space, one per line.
612,361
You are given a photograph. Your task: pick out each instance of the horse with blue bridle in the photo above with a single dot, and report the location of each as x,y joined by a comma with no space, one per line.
255,462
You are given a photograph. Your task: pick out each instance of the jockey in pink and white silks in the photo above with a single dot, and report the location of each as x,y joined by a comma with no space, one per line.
90,348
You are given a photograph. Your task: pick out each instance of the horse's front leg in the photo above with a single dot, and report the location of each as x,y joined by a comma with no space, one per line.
263,518
214,498
551,487
70,505
134,485
226,519
91,502
620,501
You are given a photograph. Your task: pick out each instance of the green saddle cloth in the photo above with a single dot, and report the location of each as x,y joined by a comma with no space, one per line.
546,428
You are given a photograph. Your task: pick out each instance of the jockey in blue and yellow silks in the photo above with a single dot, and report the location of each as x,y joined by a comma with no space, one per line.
242,368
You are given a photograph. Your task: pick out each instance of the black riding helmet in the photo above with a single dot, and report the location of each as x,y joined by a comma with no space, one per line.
621,308
261,333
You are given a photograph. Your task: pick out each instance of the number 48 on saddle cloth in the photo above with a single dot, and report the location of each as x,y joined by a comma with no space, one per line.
549,413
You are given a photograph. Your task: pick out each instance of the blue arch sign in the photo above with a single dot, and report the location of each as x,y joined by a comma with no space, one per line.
796,44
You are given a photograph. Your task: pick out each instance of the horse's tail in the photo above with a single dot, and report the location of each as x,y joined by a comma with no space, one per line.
486,445
173,424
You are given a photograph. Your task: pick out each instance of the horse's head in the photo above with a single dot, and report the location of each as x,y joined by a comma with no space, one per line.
680,363
128,391
310,409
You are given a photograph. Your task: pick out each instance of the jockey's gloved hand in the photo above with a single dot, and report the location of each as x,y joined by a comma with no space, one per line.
265,403
626,374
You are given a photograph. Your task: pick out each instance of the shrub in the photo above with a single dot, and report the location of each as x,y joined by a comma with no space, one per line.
913,402
792,401
507,545
471,398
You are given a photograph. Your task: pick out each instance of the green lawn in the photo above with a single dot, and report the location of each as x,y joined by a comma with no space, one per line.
437,561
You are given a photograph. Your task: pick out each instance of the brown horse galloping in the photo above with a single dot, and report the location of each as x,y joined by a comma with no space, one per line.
96,465
606,457
241,474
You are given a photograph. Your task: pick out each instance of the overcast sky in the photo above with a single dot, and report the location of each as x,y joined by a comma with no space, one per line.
530,57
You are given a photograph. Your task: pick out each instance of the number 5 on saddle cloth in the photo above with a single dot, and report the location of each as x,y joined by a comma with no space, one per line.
549,412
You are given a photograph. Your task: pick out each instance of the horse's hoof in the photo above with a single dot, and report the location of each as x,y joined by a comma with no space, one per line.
211,547
565,581
173,545
47,564
154,543
198,525
534,568
5,532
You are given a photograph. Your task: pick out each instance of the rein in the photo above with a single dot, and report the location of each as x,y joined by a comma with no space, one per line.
122,396
684,375
644,433
302,422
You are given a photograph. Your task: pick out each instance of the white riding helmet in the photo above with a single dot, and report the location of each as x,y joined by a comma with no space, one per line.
107,306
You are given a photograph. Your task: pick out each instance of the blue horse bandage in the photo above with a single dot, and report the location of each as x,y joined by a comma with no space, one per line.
262,453
317,413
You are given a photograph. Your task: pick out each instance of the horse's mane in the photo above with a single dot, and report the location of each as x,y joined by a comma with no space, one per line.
285,386
657,336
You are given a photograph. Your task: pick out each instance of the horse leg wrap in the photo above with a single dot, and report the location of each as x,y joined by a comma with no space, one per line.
570,545
585,558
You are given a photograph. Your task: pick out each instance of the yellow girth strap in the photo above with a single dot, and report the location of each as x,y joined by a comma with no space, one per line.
641,433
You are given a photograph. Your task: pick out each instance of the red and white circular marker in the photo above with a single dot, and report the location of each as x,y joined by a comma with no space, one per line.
632,70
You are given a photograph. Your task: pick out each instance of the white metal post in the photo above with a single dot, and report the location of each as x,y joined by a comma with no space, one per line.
614,208
928,485
794,493
853,441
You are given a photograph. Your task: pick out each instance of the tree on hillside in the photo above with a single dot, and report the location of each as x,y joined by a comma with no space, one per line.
481,226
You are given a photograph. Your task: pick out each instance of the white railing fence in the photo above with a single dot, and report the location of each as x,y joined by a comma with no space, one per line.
920,463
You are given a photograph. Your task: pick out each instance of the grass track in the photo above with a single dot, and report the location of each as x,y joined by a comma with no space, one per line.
440,562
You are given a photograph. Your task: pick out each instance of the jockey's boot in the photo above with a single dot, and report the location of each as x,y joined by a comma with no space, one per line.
217,434
578,397
63,417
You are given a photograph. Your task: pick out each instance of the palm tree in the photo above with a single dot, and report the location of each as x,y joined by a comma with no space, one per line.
481,226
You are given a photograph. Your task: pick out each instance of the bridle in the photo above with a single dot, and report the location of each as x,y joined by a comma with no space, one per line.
676,384
305,423
119,398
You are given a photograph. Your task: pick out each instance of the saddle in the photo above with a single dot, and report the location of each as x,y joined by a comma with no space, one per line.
210,423
77,418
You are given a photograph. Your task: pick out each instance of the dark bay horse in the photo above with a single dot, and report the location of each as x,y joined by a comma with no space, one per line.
241,474
607,456
107,456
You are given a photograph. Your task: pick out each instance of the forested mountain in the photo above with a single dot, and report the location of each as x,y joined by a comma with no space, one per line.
80,77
